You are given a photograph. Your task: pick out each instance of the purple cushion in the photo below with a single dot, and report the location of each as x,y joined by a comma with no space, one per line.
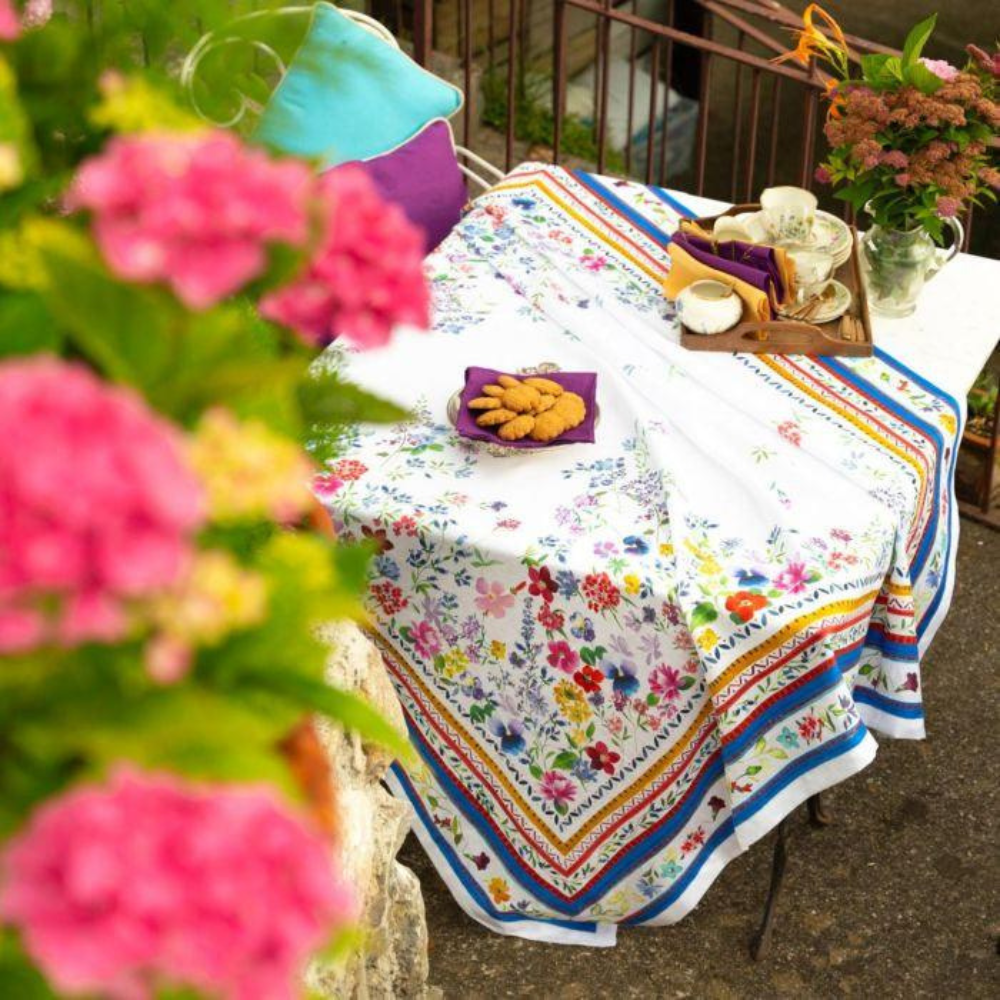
423,178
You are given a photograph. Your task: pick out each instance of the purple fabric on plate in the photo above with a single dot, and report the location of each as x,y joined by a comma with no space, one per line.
756,265
423,178
584,384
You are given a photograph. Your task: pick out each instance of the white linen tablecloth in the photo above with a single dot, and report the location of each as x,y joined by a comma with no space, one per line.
623,663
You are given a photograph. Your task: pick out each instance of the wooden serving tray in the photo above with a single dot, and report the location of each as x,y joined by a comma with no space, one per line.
786,336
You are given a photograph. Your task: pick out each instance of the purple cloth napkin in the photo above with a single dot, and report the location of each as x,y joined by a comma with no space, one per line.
756,265
584,384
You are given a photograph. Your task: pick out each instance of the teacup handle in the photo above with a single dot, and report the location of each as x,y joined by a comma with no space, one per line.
942,257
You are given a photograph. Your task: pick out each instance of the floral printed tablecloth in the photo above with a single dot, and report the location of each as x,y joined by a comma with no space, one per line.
623,663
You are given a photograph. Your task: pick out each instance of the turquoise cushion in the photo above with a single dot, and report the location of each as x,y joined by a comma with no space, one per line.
348,95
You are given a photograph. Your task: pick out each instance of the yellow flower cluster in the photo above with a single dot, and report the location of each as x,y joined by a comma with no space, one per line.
455,663
248,470
572,702
217,596
707,639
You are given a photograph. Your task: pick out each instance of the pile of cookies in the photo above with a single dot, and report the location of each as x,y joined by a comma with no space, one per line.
532,407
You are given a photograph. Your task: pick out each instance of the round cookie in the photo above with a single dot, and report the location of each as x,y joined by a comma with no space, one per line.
545,385
493,418
517,428
548,426
521,398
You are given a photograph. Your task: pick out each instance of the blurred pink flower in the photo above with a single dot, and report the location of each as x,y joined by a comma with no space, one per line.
822,175
96,504
193,210
149,881
167,659
988,61
941,69
37,13
947,207
10,25
367,275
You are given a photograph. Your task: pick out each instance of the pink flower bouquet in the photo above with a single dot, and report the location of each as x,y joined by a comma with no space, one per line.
911,138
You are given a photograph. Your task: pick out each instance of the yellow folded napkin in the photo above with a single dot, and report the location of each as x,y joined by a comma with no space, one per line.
786,266
684,270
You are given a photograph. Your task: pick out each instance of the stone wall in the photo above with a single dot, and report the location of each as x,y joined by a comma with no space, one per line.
392,962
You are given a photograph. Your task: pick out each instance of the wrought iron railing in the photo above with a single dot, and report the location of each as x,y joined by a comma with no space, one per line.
756,122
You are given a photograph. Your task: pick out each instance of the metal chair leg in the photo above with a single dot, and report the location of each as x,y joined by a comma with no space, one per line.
818,815
761,943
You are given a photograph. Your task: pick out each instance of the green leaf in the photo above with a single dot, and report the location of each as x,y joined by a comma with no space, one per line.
185,728
123,329
565,760
923,79
343,707
26,325
873,68
18,976
687,682
326,399
703,614
917,39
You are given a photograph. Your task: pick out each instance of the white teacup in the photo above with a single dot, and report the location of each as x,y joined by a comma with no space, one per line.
709,306
726,229
789,213
812,272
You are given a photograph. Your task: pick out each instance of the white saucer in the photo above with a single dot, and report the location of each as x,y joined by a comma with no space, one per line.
829,234
832,309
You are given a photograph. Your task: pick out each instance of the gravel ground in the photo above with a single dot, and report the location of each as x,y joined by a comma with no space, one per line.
899,898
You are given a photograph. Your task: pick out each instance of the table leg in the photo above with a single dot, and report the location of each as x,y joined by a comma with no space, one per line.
818,815
761,943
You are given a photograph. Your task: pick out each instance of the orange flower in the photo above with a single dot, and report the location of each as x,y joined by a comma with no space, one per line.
745,604
811,39
498,890
836,99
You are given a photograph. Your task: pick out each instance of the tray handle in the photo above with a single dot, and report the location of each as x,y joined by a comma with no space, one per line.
787,332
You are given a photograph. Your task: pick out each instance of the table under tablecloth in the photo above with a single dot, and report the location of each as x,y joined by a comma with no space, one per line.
623,663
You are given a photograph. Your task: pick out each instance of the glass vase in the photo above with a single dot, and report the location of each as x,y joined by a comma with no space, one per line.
897,263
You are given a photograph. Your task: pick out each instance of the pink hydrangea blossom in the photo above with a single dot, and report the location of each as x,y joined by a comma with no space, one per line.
10,25
896,159
941,69
96,504
947,207
148,880
194,210
367,275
